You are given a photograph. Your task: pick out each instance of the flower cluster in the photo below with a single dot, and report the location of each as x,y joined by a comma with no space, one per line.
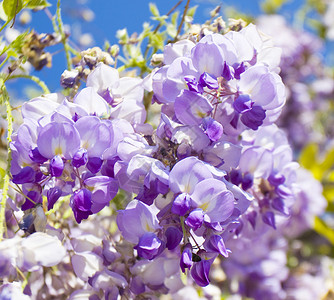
215,175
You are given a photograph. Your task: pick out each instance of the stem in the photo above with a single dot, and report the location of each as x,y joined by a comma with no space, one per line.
4,25
4,61
34,79
160,24
9,158
182,21
184,231
63,37
17,6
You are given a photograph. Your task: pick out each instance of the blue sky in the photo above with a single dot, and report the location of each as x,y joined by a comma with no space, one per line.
111,15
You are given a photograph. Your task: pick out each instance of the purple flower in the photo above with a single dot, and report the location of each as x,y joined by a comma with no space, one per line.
58,139
216,244
103,190
200,272
35,156
174,237
79,158
81,204
26,175
149,246
212,196
186,174
56,166
136,220
243,103
94,135
269,218
53,195
213,129
181,204
195,219
191,108
186,258
206,80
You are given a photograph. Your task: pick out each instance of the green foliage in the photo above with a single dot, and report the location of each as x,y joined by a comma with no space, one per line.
191,11
322,169
12,7
36,4
272,6
14,49
322,228
2,176
153,37
154,10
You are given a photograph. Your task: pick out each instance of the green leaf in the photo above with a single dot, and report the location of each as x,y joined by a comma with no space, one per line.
328,161
322,228
272,6
191,11
2,176
308,156
3,15
36,4
154,10
17,44
12,7
174,17
171,30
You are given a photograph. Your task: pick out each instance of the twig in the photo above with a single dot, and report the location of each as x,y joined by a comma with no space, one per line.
182,21
34,79
9,158
160,24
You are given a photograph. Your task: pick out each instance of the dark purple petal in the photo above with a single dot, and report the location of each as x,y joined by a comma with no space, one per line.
239,228
34,196
94,164
283,191
107,96
195,219
81,203
79,158
235,176
228,72
53,195
200,272
254,118
149,246
190,107
136,285
108,167
56,166
36,157
276,178
186,258
243,103
83,200
26,175
238,70
193,84
213,129
251,217
278,204
207,80
58,138
174,237
181,204
147,195
216,244
247,181
269,218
